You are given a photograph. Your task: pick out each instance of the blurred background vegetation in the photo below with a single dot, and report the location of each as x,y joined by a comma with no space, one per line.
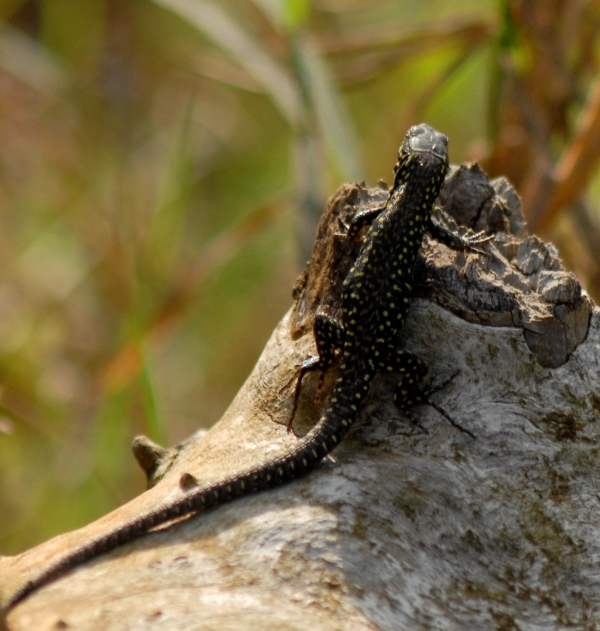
163,164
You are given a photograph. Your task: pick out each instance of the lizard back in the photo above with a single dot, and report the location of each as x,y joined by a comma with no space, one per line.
378,288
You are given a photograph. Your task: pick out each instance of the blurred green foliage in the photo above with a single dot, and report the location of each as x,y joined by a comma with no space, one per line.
163,164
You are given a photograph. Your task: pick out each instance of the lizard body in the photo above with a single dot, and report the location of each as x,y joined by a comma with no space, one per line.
375,299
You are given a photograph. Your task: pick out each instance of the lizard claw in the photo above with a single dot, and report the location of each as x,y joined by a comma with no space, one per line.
428,401
478,238
312,362
450,420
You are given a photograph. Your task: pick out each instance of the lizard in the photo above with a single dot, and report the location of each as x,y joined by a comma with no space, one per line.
375,298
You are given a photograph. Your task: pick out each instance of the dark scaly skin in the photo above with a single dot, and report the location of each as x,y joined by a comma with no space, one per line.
375,299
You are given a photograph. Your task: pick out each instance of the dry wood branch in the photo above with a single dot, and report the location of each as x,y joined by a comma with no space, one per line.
402,527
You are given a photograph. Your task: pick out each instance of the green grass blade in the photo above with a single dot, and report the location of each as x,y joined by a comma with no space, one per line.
326,103
244,49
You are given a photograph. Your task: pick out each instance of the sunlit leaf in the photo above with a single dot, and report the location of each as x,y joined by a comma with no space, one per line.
295,13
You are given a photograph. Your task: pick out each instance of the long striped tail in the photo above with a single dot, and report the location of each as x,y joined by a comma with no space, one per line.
318,443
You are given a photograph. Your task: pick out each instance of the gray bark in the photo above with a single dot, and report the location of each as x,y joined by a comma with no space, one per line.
404,526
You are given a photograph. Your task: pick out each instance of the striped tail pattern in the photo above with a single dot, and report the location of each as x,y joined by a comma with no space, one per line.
320,441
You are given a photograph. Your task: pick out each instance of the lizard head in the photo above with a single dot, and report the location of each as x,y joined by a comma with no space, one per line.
425,139
423,146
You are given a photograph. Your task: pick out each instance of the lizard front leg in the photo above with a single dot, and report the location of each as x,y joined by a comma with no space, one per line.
411,390
456,241
412,370
361,219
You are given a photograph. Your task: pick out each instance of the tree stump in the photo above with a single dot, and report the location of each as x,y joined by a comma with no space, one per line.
489,522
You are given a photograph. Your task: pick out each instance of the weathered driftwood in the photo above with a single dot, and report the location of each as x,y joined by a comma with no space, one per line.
404,526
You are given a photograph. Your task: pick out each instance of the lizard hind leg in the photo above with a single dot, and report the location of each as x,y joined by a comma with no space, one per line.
329,336
411,370
412,390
